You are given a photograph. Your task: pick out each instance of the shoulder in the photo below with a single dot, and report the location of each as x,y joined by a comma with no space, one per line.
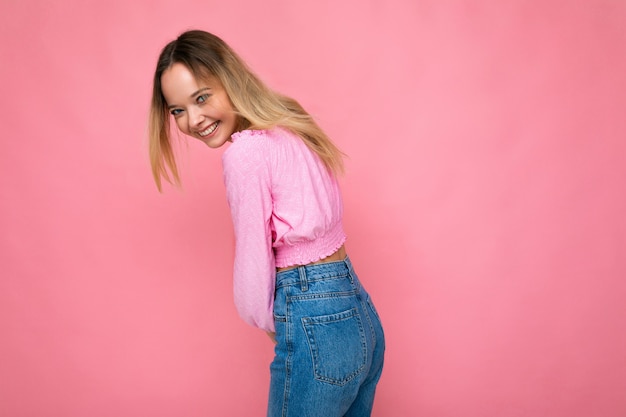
255,145
262,138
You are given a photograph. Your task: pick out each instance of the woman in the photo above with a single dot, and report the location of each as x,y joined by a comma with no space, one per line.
292,277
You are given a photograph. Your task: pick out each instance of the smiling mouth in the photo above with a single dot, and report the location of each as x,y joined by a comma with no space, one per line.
209,130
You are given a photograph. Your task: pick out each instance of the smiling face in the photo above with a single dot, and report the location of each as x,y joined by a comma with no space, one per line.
201,108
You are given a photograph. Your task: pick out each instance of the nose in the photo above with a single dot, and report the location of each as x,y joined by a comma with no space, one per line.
195,117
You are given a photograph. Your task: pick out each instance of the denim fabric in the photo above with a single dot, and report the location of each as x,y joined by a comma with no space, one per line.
330,344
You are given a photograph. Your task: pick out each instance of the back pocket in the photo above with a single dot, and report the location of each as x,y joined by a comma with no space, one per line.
338,346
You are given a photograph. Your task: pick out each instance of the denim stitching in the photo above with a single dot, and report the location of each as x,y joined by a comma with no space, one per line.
323,295
289,342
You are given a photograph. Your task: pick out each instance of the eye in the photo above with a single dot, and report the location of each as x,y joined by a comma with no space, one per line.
203,98
176,112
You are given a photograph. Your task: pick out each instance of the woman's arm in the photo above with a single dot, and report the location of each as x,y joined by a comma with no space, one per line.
248,189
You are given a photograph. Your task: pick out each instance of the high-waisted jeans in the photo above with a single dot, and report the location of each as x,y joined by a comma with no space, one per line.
330,344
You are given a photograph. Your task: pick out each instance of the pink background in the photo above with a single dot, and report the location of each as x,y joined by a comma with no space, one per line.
484,196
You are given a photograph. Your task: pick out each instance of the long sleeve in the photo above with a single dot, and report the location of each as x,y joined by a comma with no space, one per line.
248,188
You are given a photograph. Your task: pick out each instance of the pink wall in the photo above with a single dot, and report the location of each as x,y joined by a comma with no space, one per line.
484,196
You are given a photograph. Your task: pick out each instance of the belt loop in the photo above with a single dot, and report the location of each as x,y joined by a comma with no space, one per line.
304,285
348,265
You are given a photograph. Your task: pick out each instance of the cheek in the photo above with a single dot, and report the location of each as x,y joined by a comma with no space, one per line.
182,125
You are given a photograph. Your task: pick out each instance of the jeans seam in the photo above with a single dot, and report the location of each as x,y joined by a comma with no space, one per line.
289,341
305,297
364,306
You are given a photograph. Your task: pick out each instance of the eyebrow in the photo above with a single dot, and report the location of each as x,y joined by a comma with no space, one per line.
191,96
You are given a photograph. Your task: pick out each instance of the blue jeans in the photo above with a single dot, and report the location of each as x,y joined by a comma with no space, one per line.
330,344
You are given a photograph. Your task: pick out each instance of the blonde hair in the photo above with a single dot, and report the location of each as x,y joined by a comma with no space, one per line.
256,105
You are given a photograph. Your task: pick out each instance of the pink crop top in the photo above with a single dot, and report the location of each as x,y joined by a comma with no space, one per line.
286,210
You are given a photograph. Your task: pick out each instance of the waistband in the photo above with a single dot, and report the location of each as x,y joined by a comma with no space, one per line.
315,272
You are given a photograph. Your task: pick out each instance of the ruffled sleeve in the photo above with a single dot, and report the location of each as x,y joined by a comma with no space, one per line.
247,177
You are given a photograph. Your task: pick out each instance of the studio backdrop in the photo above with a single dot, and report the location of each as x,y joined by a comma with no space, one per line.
484,205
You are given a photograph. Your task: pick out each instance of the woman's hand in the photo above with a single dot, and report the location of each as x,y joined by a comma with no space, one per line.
272,336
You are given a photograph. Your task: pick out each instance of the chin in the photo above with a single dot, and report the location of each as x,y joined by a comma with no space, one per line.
215,143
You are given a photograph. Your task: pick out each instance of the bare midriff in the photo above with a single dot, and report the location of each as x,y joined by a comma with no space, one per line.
340,255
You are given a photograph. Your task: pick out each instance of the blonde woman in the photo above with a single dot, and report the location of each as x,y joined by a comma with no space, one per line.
292,276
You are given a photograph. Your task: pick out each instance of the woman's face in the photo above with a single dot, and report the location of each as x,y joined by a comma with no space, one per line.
201,109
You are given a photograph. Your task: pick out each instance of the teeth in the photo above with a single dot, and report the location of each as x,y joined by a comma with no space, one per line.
209,129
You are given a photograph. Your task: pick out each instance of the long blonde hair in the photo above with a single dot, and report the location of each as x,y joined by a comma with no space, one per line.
256,105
